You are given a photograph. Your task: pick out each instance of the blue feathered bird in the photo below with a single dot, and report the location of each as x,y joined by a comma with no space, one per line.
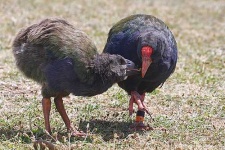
148,42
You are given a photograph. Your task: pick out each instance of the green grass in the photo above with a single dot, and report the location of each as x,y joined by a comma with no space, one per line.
188,111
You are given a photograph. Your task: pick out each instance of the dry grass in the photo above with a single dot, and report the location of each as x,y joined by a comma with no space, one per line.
190,106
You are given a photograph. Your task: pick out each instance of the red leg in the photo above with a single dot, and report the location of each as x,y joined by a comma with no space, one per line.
145,107
131,105
139,100
46,106
61,109
143,97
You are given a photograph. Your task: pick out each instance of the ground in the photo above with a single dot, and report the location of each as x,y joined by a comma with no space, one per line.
188,111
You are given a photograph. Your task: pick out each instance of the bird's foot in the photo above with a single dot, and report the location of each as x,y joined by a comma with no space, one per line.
78,133
75,132
139,122
139,100
140,126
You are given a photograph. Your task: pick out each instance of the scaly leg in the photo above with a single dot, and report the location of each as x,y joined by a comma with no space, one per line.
46,106
139,100
145,107
131,105
61,109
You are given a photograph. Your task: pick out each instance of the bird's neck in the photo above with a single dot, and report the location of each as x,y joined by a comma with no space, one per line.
96,82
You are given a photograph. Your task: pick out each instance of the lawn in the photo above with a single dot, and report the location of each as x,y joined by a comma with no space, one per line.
188,111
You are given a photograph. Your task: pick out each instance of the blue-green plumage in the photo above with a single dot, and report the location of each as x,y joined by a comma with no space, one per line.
63,59
129,35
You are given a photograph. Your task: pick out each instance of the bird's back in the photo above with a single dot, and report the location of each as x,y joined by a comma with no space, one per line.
50,40
124,36
137,22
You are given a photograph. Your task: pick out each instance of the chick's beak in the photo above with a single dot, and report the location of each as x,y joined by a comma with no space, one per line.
131,69
146,53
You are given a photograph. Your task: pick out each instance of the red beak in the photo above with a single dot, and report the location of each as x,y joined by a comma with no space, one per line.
146,53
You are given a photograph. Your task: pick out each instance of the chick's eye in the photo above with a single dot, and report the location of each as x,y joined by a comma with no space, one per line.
111,61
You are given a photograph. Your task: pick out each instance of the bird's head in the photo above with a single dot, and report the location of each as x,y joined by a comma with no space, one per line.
150,50
114,67
121,67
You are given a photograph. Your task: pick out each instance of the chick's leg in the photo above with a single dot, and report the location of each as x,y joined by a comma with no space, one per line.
46,106
61,109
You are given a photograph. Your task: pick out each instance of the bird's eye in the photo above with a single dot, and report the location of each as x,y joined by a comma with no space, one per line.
111,61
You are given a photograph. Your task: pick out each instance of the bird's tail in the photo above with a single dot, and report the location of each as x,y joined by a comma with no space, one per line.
30,58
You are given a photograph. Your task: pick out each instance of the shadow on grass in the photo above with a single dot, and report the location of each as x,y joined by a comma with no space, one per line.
14,135
104,128
107,129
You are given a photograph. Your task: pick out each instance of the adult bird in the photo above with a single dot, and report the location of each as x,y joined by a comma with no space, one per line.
148,42
64,60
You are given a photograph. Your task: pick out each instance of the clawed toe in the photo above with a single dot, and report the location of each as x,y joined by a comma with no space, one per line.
75,132
140,126
78,134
